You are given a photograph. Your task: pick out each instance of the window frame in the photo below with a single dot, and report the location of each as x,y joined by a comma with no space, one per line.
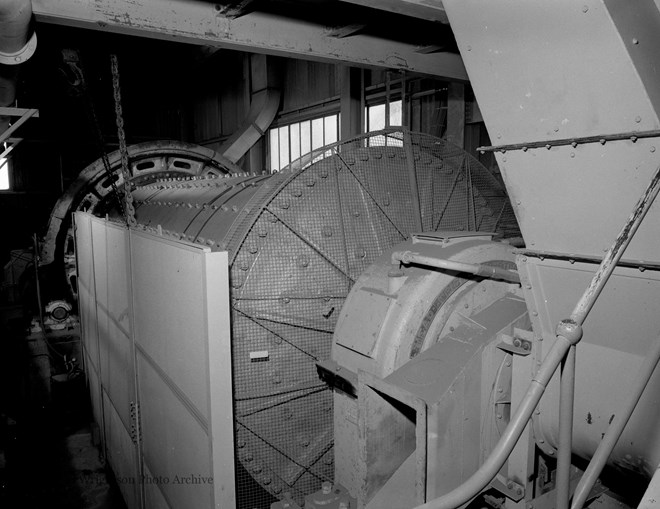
310,120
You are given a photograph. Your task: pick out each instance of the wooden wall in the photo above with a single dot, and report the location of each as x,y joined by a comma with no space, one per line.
307,83
218,97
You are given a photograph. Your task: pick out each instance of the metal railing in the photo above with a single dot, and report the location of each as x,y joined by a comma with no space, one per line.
569,333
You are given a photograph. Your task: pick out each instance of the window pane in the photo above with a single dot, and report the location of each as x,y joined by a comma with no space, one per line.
305,137
377,117
395,113
274,150
317,133
284,146
4,174
294,130
330,129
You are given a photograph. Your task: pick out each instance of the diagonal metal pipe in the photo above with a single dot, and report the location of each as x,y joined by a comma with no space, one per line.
478,269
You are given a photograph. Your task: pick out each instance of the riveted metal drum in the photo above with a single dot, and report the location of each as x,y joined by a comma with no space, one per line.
93,192
298,240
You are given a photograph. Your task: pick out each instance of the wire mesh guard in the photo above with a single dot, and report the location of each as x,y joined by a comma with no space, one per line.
294,258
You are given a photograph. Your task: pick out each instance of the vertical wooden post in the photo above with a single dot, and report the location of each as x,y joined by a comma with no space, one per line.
456,114
351,102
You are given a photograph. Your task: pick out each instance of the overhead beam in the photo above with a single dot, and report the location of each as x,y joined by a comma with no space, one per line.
16,112
433,48
431,10
199,22
347,30
236,9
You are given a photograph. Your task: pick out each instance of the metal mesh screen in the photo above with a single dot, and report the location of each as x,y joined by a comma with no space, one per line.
305,238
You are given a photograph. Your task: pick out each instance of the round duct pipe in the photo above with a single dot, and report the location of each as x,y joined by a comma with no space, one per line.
16,46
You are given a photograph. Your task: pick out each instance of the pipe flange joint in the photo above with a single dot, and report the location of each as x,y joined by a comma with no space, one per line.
570,330
22,54
402,257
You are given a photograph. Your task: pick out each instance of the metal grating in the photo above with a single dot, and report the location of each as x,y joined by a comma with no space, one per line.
298,240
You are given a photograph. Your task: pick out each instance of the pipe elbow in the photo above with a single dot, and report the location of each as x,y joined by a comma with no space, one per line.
18,41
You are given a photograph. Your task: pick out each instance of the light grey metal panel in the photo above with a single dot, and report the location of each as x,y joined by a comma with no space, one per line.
164,305
88,318
221,414
96,398
175,443
86,286
153,497
100,282
535,87
113,310
122,455
618,334
116,377
181,327
553,286
170,324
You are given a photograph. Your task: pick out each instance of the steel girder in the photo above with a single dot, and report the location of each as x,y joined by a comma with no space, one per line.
199,22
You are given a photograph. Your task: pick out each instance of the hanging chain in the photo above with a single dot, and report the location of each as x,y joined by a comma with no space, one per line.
76,65
129,208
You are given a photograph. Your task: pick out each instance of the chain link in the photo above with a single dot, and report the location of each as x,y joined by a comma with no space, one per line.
129,207
83,90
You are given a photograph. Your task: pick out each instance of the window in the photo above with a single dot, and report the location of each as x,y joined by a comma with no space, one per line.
374,120
4,174
292,142
375,116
